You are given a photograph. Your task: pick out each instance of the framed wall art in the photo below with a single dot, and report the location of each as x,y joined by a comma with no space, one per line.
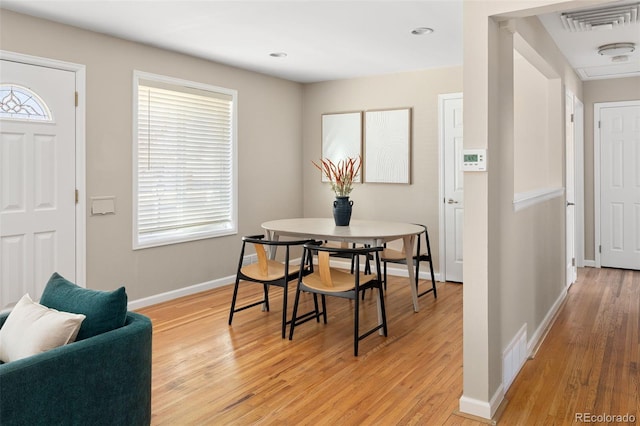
387,146
341,137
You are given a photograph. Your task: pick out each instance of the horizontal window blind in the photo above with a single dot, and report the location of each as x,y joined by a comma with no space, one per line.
184,163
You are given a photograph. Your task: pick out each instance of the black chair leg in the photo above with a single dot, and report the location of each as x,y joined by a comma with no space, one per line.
309,315
294,315
367,269
433,281
284,310
385,275
324,308
315,304
266,297
356,321
233,301
384,312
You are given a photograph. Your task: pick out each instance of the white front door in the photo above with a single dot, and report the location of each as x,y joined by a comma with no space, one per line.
37,178
453,187
620,186
570,223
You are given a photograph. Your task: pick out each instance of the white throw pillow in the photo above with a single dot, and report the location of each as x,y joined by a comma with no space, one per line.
32,328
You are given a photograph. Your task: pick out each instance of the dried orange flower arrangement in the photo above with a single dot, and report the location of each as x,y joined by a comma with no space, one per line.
341,175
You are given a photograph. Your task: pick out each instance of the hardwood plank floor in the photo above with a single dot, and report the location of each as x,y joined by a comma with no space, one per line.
207,373
589,360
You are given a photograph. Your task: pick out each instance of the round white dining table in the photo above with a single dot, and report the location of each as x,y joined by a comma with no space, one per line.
372,232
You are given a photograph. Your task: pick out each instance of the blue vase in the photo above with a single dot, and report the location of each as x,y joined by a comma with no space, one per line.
342,211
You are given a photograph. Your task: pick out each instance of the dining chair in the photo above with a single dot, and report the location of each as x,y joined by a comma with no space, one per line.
344,244
268,273
328,281
390,255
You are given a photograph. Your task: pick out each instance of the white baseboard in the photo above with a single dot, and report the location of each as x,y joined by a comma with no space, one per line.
540,333
185,291
589,263
220,282
479,408
197,288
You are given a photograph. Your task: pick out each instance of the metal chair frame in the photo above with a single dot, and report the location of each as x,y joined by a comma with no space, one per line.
353,293
417,258
281,280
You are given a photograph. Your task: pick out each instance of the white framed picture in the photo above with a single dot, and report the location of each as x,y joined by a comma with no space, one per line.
387,146
341,137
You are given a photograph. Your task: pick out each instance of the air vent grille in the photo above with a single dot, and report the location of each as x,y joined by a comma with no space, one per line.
602,18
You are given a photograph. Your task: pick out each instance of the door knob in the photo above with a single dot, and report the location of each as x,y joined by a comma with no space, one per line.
451,201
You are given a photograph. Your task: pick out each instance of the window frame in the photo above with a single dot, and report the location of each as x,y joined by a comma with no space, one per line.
193,233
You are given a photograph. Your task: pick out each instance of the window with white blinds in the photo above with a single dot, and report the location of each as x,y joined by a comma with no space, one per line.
185,165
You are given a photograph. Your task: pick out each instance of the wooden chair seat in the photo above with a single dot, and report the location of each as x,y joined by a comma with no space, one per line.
341,281
275,270
390,254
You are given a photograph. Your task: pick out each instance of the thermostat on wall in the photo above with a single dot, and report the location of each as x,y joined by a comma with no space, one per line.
474,160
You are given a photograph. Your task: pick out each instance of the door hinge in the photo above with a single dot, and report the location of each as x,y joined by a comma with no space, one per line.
599,122
573,261
76,98
599,249
77,196
572,118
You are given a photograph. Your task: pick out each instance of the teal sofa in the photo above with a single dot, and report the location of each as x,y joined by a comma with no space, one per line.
102,379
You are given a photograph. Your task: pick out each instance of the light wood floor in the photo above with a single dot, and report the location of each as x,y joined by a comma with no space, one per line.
207,373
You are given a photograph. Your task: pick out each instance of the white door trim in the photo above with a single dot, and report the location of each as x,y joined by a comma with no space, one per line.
442,256
597,107
578,111
570,189
80,72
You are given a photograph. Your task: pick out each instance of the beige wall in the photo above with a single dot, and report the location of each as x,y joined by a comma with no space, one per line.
531,127
269,150
513,268
417,202
595,91
529,244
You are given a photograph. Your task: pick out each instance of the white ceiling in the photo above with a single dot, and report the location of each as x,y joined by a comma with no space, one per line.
324,40
581,48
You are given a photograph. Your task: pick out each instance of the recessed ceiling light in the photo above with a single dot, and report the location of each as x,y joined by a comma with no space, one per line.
421,31
278,54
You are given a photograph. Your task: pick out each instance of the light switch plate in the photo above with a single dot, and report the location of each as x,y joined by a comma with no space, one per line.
103,205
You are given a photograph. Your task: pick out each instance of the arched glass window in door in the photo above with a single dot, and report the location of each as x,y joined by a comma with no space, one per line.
20,103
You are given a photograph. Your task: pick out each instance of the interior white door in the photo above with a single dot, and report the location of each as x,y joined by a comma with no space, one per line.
570,191
620,186
453,188
37,178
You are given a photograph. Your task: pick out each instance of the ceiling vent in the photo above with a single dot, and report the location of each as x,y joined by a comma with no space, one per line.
602,18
